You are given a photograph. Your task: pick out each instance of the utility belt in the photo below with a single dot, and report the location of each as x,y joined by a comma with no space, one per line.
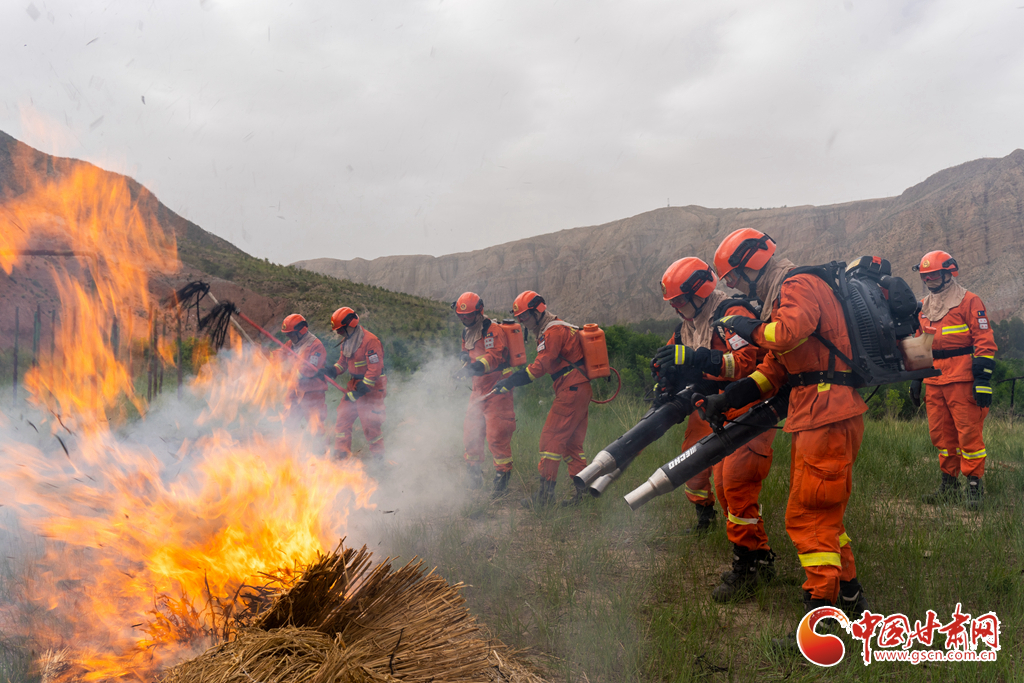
939,354
806,379
578,365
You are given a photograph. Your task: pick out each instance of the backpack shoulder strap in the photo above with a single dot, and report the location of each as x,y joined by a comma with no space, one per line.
677,336
738,300
833,275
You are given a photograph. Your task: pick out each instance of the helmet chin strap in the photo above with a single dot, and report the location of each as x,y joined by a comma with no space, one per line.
946,279
751,283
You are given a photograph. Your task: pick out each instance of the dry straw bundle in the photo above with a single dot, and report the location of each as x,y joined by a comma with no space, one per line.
345,622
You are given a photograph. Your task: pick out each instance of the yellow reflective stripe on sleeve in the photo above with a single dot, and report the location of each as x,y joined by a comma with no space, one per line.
783,353
973,455
989,357
339,367
700,493
743,520
487,366
843,539
680,356
360,363
550,456
943,453
763,383
502,461
530,374
769,332
824,387
508,371
728,365
956,329
820,559
369,382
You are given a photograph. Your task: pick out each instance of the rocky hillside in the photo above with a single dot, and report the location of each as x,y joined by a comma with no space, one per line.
266,292
611,272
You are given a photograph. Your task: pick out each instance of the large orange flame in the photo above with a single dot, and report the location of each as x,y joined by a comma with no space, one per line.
110,228
160,530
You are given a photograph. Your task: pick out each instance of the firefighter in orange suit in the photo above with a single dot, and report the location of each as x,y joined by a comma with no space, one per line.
826,416
957,401
489,417
697,353
559,354
363,358
310,390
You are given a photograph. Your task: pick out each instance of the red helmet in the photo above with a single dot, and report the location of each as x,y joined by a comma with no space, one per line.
467,303
935,261
293,323
743,248
526,301
344,317
689,277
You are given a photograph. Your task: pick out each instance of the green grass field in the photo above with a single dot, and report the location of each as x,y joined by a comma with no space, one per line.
599,593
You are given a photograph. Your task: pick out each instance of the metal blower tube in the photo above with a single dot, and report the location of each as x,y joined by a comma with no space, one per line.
617,456
602,483
711,449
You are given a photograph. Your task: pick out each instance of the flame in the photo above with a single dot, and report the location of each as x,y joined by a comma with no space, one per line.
161,530
111,229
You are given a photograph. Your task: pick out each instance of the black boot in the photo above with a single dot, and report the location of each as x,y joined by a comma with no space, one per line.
949,488
975,493
788,642
543,497
705,518
851,599
750,568
501,484
579,494
474,478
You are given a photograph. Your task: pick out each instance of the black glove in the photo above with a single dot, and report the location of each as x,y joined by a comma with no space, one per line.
464,357
476,368
741,325
701,359
915,393
982,369
326,371
736,395
516,379
361,389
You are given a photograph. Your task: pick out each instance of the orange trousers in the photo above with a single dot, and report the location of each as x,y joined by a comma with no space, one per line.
491,420
369,409
738,480
311,407
820,481
954,423
697,487
564,431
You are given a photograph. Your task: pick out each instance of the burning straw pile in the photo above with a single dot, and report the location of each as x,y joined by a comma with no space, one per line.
345,622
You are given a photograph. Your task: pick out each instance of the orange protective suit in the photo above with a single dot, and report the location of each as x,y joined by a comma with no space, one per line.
954,419
738,478
365,365
308,396
558,351
827,424
489,418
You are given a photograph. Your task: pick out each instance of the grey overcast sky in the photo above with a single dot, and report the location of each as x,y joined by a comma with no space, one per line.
350,129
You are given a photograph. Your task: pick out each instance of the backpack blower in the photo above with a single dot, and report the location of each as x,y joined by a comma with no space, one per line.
881,314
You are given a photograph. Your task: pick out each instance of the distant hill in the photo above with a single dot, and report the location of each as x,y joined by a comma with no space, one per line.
611,272
264,291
